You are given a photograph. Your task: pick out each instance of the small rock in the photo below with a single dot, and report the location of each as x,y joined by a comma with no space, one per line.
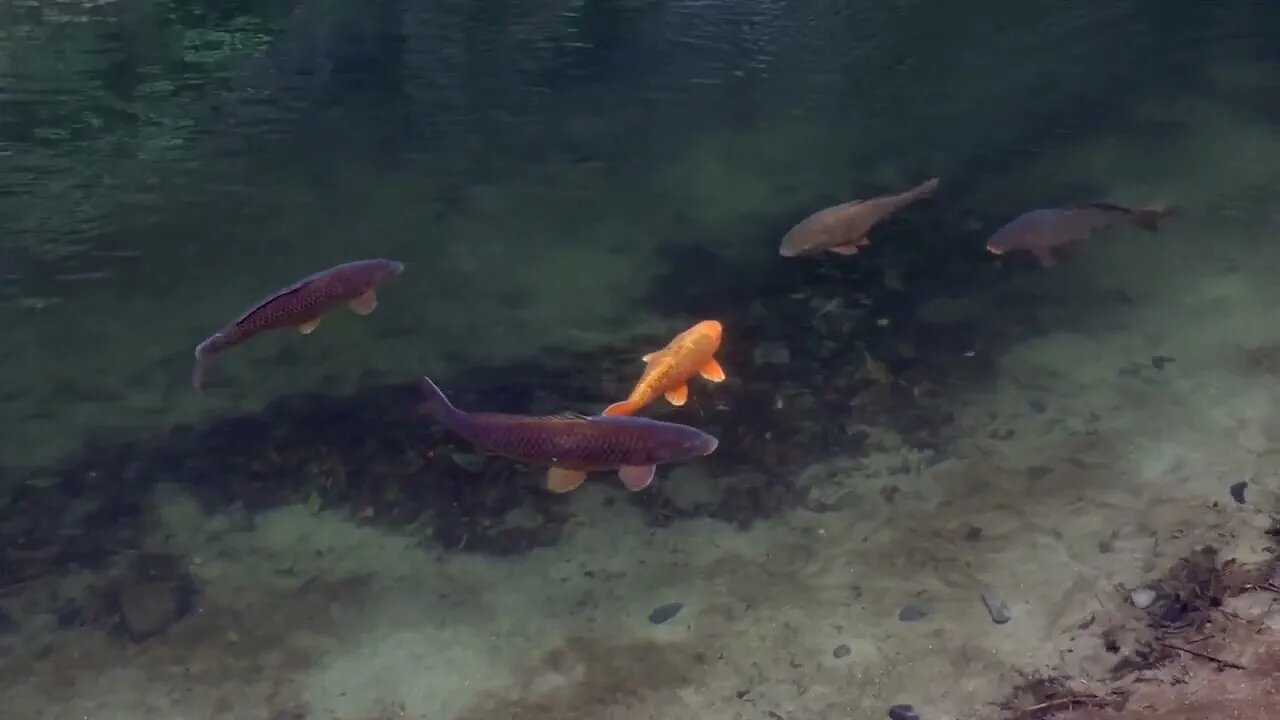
1159,361
471,462
1036,473
663,613
69,614
1142,598
903,712
912,613
973,534
772,353
841,651
997,608
1237,491
1037,406
148,609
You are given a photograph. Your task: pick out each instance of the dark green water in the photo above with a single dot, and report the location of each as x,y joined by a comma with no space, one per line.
569,183
559,178
543,169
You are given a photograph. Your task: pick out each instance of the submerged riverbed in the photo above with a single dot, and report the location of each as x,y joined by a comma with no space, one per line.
909,436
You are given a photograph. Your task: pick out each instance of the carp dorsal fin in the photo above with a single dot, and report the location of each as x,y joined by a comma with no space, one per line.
1106,207
566,416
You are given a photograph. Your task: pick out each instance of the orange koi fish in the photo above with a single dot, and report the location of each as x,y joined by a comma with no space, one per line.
667,371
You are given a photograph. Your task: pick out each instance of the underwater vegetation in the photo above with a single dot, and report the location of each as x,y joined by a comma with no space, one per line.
817,357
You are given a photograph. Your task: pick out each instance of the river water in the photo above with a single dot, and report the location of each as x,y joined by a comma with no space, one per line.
569,183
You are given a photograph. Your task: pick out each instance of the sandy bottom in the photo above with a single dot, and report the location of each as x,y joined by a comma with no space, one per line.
1102,456
1085,473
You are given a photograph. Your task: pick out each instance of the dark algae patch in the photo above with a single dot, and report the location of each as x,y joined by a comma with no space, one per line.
852,349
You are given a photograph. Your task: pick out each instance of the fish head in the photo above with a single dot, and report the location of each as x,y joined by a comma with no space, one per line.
387,270
805,237
711,329
794,243
1004,241
687,442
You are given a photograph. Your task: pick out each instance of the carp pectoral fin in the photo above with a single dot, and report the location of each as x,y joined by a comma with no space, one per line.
712,371
849,248
562,480
307,327
1045,257
677,396
647,357
636,477
364,304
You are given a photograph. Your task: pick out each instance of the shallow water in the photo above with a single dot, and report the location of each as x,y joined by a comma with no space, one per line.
570,184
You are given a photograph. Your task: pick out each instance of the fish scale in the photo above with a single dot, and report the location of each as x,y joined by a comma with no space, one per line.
667,371
300,305
574,444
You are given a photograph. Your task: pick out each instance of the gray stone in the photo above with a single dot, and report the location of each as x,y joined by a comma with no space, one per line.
997,608
663,613
1142,598
148,609
772,353
903,712
912,613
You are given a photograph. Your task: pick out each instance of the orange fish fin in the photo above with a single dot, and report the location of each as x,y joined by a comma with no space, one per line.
626,407
309,326
648,357
364,304
636,477
562,480
678,395
712,371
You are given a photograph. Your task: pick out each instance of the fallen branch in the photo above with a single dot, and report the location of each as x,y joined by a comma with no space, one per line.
1064,703
1205,656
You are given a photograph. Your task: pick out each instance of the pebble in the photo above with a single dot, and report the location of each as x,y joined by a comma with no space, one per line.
663,613
1237,491
912,613
997,608
1142,598
149,608
841,651
903,712
772,353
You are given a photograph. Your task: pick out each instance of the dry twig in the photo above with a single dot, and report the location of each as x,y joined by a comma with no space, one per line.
1064,703
1205,656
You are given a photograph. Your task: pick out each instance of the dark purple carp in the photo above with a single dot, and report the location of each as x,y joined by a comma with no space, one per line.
571,444
843,229
1040,231
301,306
